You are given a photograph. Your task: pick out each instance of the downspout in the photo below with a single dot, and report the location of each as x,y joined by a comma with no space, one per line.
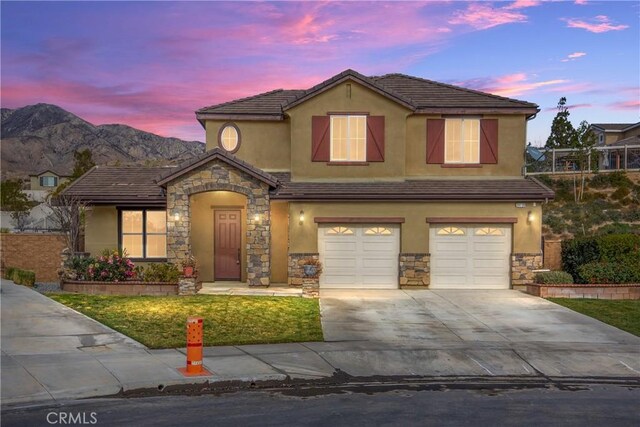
524,154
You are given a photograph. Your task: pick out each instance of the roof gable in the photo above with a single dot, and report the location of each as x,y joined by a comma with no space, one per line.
217,154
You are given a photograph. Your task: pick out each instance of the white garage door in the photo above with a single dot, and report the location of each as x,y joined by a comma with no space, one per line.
470,257
359,256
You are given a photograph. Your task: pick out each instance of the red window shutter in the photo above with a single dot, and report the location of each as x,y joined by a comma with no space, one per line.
435,141
320,139
488,141
375,139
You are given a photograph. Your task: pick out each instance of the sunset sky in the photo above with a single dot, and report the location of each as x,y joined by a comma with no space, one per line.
152,64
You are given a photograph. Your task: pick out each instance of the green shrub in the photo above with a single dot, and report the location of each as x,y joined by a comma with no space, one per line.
112,266
24,277
8,273
611,272
614,179
4,230
633,215
554,277
618,247
161,272
620,193
616,228
78,267
577,252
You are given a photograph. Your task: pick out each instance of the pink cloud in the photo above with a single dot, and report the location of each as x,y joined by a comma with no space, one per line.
570,107
626,105
573,56
521,4
483,16
599,24
509,85
581,2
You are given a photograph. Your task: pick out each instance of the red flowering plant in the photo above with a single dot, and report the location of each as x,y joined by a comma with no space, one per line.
112,266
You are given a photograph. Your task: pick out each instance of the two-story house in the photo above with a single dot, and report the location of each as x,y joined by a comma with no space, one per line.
391,181
616,134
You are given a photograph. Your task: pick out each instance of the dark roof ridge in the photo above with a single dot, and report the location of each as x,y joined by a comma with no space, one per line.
247,98
210,155
460,88
349,72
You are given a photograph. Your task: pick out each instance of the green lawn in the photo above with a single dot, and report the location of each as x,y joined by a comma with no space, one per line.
623,314
160,322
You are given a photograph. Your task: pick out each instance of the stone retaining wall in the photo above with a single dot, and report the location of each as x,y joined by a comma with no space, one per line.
414,270
295,271
622,291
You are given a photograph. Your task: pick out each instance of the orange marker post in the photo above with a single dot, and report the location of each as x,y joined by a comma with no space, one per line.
194,348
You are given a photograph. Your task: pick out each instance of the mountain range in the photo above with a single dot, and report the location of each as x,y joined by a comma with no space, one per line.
45,136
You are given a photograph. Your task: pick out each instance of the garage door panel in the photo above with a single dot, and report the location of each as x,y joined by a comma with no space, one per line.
360,259
476,257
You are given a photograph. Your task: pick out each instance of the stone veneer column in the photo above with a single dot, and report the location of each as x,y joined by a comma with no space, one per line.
415,270
294,267
522,266
219,176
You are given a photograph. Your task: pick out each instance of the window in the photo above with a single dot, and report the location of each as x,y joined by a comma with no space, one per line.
48,181
143,233
450,231
348,138
462,141
380,231
339,230
229,137
489,231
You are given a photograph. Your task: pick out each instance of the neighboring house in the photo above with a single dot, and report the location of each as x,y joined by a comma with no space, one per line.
616,134
43,182
391,181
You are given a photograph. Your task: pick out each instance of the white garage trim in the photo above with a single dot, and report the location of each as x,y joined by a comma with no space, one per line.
470,256
359,256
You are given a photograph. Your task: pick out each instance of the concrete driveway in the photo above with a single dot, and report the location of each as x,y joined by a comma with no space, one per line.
503,328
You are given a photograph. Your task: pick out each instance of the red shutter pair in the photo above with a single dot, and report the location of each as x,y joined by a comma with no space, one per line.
488,141
321,139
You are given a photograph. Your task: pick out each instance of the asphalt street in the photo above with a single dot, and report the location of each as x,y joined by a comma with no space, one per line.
368,404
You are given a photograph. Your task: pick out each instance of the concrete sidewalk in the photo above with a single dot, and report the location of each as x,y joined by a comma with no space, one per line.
52,353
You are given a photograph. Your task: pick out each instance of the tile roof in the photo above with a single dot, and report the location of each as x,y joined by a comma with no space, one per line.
632,140
107,185
614,126
418,190
208,156
415,93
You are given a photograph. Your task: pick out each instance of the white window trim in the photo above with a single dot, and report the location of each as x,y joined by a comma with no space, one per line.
347,116
446,146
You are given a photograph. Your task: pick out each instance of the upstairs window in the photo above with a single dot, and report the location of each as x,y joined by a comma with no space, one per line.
229,137
348,138
48,181
462,141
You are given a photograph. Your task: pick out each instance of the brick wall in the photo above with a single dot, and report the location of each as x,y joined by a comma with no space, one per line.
552,258
607,291
36,252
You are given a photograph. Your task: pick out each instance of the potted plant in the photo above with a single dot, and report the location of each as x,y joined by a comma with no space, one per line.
312,267
189,266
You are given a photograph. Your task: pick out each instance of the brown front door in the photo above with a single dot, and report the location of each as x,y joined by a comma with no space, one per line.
226,248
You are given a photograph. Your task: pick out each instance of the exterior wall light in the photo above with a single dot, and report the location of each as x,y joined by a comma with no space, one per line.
256,218
301,217
176,216
530,217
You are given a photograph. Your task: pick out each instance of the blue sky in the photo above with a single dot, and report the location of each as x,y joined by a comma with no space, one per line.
151,64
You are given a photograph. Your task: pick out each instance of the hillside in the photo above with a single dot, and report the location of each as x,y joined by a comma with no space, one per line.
42,136
611,203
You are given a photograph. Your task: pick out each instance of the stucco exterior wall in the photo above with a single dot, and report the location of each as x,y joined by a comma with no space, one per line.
511,146
203,206
35,181
101,229
264,144
279,241
362,100
414,236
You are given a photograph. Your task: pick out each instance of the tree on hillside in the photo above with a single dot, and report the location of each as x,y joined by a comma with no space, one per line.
562,131
83,162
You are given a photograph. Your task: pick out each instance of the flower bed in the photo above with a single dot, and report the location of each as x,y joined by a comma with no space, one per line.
120,288
590,291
